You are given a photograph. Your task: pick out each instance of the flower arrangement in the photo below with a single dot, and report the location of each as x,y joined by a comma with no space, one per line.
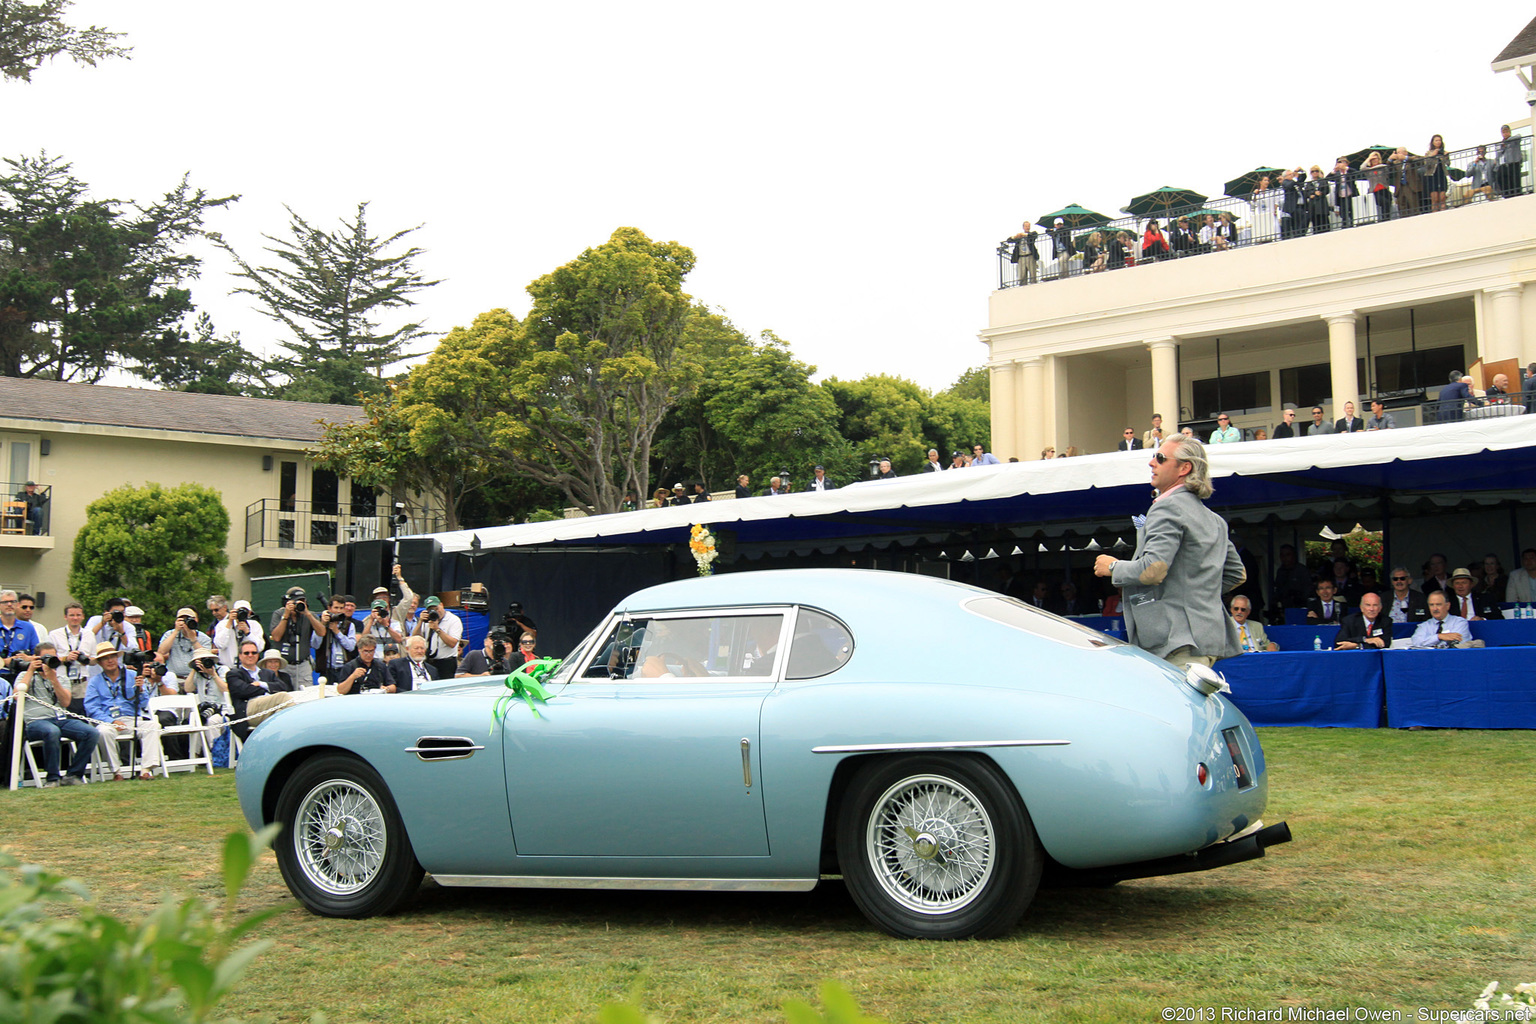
702,543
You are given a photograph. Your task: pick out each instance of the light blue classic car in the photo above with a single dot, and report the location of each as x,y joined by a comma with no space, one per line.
935,745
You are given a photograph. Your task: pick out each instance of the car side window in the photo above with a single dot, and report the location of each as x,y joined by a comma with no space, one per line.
821,645
685,646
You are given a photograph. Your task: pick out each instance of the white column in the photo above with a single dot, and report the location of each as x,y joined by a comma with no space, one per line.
1502,337
1032,409
1005,412
1165,382
1341,362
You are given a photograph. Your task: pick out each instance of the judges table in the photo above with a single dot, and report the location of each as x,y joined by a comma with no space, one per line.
1487,688
1342,689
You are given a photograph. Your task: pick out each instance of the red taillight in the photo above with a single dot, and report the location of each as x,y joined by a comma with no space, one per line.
1201,774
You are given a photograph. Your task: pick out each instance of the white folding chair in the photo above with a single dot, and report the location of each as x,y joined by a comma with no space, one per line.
193,729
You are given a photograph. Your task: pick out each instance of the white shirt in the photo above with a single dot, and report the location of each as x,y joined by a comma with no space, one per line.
1428,633
1521,587
84,641
226,641
437,647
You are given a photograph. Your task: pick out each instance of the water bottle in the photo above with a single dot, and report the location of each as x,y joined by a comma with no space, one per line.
1317,643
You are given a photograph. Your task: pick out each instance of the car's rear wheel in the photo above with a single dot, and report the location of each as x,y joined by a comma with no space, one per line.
343,850
938,847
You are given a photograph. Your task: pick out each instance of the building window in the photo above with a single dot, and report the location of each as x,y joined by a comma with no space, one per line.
1428,368
1237,393
1306,386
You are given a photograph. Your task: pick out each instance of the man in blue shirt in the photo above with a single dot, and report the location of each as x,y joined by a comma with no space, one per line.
982,457
115,695
1441,629
17,636
1225,432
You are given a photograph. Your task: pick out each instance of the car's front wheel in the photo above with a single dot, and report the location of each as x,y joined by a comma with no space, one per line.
938,847
343,850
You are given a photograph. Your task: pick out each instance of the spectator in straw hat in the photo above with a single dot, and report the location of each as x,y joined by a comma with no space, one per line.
117,697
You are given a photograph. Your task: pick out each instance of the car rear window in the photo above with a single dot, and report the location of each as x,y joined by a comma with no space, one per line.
821,645
1012,612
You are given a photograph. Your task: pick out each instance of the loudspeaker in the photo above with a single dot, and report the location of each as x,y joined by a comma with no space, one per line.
421,563
344,568
371,562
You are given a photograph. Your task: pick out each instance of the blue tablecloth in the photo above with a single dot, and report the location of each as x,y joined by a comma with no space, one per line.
1299,638
1492,688
1505,632
1332,688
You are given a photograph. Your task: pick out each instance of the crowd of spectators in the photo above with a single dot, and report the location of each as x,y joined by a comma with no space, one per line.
90,681
1384,184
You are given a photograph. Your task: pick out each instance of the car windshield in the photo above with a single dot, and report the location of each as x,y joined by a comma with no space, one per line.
571,660
1015,613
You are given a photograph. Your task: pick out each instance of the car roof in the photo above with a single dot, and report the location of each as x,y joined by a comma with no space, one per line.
836,590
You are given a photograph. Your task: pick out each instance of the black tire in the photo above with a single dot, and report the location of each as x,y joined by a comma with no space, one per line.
343,850
900,818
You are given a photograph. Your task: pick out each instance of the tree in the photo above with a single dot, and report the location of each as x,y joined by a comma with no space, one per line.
330,289
206,363
775,418
596,366
442,430
973,383
163,545
87,285
35,32
883,417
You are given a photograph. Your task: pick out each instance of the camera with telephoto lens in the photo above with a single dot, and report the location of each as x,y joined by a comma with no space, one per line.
241,615
501,642
432,616
207,709
52,661
299,606
117,616
18,664
136,660
190,620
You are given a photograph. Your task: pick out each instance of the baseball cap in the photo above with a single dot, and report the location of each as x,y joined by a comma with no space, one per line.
381,606
432,602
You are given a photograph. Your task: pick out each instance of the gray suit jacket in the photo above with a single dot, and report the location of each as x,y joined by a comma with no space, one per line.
1311,428
1173,585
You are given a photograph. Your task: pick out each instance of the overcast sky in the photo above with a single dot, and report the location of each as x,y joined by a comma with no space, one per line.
843,171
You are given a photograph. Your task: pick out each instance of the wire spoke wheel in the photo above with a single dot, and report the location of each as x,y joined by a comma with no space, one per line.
344,851
930,841
937,847
342,837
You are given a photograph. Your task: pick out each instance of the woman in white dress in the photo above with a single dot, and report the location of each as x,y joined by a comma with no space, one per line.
1264,211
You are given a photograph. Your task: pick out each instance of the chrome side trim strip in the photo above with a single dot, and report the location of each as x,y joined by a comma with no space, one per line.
865,748
597,882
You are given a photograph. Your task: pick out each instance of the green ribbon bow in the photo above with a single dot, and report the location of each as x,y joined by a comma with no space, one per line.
526,682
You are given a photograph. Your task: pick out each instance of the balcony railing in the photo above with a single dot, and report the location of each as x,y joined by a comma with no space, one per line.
279,523
1256,219
23,515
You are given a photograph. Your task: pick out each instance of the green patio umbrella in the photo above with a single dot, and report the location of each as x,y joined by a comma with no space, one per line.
1158,202
1075,216
1243,184
1358,156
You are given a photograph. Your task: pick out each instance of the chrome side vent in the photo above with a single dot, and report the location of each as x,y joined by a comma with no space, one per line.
444,748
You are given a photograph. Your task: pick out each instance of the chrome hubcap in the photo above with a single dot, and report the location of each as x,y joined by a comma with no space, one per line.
340,837
929,842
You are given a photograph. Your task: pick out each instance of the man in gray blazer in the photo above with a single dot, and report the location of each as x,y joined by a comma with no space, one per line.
1172,587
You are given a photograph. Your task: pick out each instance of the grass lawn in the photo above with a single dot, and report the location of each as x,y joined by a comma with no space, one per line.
1411,883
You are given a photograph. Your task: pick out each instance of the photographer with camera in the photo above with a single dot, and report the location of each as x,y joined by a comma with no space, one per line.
491,659
441,629
211,692
380,624
292,627
74,643
364,672
112,626
118,697
333,640
17,636
45,719
177,645
235,626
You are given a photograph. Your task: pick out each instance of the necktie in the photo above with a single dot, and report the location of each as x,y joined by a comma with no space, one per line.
1464,612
